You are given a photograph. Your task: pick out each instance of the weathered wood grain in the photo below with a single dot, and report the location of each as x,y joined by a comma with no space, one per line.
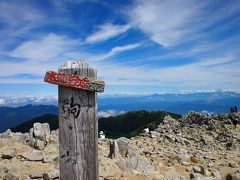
74,81
78,127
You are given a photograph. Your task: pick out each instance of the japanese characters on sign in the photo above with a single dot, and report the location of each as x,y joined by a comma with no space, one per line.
74,81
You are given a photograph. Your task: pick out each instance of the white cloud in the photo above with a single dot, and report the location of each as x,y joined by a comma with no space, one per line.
109,113
47,48
18,18
15,13
218,72
171,22
120,49
99,57
107,31
36,57
20,101
2,102
48,53
164,21
115,51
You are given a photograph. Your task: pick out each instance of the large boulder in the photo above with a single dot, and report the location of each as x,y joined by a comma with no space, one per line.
39,135
33,156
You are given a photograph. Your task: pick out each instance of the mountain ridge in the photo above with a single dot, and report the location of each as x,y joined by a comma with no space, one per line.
128,124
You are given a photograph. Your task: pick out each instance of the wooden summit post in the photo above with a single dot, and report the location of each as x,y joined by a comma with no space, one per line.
78,127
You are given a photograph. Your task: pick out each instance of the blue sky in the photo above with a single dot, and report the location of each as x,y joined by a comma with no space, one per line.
137,46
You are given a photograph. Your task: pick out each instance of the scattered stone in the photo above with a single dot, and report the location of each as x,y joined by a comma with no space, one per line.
109,178
198,169
154,134
10,176
169,120
196,145
49,158
196,176
188,169
217,174
6,134
233,164
33,156
5,169
236,174
36,175
51,174
8,154
140,164
184,163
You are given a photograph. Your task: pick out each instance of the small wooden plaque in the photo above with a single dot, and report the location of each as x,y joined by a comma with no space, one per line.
74,81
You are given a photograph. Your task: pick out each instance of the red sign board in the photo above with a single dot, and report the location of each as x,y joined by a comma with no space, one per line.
74,81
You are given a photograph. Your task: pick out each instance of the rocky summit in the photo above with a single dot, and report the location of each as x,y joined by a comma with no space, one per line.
196,146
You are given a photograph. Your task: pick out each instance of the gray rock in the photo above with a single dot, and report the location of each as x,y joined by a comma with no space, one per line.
121,163
196,176
184,163
132,151
173,175
122,146
8,154
46,129
154,134
233,164
39,144
168,119
140,164
6,134
51,174
10,176
113,149
36,175
39,135
25,177
41,131
5,169
49,158
31,138
217,174
236,174
109,178
198,169
33,156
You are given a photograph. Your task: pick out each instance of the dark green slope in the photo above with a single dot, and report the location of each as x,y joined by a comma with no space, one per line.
127,125
52,120
11,117
132,123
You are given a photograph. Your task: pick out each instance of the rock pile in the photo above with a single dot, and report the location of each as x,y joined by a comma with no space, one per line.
39,135
197,146
205,145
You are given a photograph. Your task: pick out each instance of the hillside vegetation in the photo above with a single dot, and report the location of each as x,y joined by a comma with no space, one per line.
10,117
127,125
51,119
132,123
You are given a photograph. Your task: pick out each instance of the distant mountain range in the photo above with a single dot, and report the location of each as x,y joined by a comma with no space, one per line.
128,124
180,103
51,119
11,117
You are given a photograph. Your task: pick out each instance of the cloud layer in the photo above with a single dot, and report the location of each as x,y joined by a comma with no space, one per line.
163,44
